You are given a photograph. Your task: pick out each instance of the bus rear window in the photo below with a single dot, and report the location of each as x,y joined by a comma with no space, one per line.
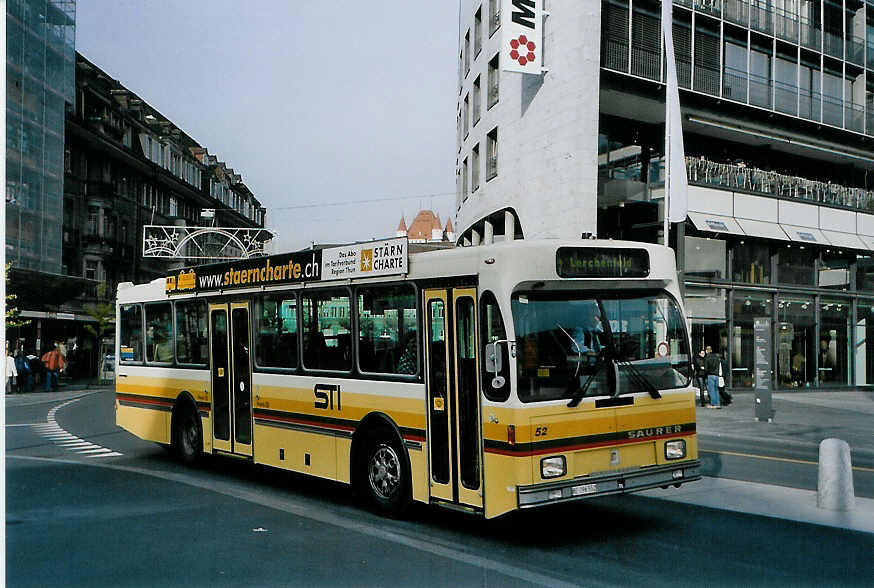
131,335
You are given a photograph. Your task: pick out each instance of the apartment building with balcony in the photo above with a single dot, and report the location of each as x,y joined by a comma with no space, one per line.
777,101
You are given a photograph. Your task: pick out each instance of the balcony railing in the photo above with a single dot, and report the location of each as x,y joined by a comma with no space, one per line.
769,183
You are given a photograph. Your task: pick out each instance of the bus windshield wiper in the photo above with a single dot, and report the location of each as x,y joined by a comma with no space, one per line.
638,378
601,360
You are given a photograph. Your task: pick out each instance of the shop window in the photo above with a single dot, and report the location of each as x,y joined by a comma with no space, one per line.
751,263
863,362
833,272
795,342
276,331
865,272
387,335
795,265
833,358
747,307
705,258
191,332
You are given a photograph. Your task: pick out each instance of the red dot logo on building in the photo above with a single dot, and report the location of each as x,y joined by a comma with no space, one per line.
522,50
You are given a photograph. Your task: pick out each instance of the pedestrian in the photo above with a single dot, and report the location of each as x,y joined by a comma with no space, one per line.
712,365
701,377
10,371
54,363
25,378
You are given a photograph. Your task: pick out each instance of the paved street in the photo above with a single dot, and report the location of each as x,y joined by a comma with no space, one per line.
140,518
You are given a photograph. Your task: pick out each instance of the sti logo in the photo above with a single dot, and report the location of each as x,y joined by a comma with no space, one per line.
366,260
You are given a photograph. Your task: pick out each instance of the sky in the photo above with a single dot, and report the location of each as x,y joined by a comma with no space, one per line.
313,103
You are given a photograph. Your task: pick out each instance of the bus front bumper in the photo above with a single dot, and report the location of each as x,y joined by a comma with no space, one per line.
607,483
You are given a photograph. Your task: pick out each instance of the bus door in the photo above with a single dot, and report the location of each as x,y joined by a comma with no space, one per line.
454,432
231,368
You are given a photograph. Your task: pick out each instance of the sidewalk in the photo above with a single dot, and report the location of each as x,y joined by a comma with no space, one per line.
801,419
64,393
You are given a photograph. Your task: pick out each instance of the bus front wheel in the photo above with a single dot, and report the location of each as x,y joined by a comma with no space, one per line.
384,476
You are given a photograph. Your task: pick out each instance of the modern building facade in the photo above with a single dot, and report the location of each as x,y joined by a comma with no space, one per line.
778,116
124,166
40,57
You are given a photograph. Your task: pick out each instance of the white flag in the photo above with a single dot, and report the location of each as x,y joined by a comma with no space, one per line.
676,184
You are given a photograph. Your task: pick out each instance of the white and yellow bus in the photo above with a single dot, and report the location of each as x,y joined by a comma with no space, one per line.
485,379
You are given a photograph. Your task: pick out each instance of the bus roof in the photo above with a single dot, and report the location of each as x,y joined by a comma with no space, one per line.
514,261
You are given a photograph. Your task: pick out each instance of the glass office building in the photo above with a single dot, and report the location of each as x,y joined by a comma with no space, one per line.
40,57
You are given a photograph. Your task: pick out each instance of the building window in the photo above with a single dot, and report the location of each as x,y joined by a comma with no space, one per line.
492,154
795,341
93,220
494,16
705,258
464,179
864,337
833,360
795,266
474,172
477,32
477,100
751,263
747,307
467,53
92,269
466,115
493,81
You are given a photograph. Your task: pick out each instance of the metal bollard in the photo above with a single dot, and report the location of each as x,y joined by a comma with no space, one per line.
835,486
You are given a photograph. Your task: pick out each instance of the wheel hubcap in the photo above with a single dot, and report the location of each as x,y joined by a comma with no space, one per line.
384,472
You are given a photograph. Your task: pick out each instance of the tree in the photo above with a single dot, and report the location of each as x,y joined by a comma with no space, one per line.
13,315
103,314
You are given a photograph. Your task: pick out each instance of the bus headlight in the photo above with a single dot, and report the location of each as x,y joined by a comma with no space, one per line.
675,449
553,467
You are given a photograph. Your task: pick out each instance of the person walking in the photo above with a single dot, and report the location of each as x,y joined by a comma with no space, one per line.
54,362
711,367
701,377
25,378
10,371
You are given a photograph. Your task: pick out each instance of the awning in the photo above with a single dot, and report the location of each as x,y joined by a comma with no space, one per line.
715,223
757,228
848,240
805,234
868,240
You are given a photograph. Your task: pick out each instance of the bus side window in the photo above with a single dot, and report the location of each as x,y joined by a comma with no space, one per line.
131,343
388,341
492,327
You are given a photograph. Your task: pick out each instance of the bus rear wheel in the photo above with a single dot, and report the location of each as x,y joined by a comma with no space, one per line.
188,439
384,476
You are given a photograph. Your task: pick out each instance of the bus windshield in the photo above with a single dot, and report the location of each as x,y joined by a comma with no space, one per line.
604,343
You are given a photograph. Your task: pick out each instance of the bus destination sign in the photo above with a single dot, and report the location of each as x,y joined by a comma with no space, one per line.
601,262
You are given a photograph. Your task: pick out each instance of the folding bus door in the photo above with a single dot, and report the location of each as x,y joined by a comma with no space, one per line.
231,375
454,430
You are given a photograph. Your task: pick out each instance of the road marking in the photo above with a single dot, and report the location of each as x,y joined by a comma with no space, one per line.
52,431
781,459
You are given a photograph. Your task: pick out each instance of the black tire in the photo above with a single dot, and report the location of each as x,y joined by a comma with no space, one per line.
384,475
187,436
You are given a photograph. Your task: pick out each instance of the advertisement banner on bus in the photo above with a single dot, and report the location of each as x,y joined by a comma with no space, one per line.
359,260
373,258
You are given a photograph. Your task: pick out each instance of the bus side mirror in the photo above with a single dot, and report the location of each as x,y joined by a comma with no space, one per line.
494,358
